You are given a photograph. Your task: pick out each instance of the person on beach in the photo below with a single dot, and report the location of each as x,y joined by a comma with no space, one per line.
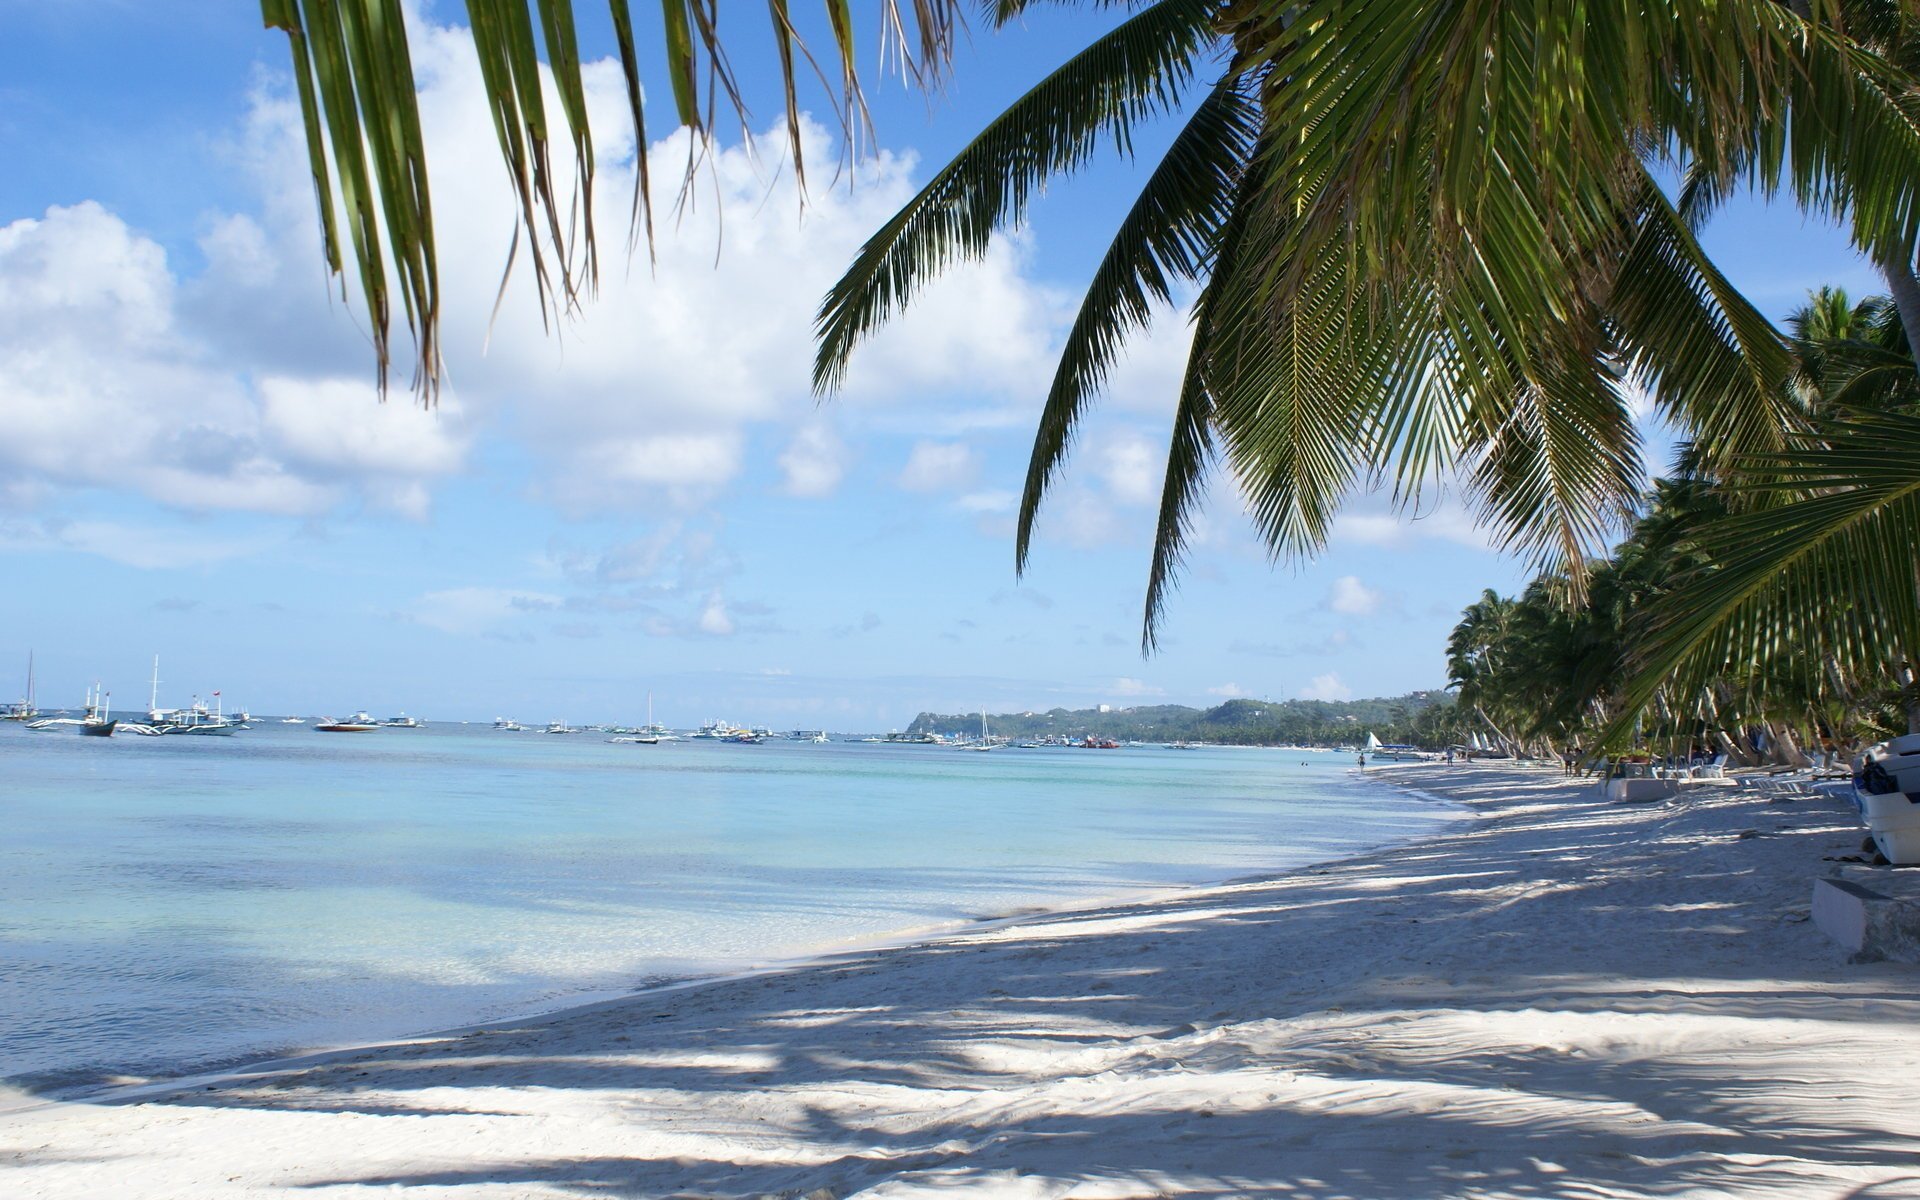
1363,760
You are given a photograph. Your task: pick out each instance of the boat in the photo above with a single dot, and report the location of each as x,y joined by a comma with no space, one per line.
1094,743
22,710
360,722
985,742
1886,793
818,736
635,739
505,725
559,727
197,719
293,720
403,721
98,721
743,737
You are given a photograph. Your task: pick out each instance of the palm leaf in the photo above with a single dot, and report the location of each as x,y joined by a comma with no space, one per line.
1820,568
1168,234
1128,74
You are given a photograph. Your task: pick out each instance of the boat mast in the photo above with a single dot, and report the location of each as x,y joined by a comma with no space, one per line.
153,697
29,681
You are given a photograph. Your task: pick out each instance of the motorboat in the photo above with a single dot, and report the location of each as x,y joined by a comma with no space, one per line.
360,722
403,721
293,720
505,725
1886,793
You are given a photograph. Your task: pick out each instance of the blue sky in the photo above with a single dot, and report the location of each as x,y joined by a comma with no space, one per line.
193,462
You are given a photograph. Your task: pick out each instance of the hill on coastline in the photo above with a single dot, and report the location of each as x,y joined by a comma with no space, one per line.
1236,722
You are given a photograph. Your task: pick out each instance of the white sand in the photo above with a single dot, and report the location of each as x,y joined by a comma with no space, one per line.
1567,999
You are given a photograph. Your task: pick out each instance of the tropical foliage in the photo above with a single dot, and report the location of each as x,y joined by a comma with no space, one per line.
1425,718
1775,597
1428,241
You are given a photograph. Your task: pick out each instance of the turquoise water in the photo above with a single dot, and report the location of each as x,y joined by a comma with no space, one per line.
177,903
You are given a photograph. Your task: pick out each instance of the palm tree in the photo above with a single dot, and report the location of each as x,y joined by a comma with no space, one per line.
1427,240
1427,237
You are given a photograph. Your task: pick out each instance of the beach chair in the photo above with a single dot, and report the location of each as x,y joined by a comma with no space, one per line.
1715,769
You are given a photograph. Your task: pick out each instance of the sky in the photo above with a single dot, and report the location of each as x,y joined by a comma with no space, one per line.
647,500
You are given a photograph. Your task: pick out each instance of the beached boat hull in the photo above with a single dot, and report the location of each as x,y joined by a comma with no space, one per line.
98,729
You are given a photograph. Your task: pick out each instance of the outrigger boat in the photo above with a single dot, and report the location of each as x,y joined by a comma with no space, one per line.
360,722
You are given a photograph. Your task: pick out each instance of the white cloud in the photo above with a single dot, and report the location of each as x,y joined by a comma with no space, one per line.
987,502
938,467
474,610
813,463
1352,598
110,382
1126,685
1132,470
1446,521
1228,691
1326,687
713,616
144,546
247,386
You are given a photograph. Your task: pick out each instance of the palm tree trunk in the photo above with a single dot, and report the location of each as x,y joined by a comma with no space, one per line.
1905,290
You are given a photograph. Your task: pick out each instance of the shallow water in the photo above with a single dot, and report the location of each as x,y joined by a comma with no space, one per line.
168,903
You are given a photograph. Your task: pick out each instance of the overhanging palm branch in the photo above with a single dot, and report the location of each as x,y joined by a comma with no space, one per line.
1820,576
360,112
1458,265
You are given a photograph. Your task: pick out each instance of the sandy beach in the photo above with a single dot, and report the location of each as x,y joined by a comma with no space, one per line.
1555,998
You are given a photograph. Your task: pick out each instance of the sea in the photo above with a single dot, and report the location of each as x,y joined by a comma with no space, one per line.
179,904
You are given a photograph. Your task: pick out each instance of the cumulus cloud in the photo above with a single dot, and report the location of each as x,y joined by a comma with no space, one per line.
813,463
714,618
111,382
938,467
248,386
1352,598
1132,469
1326,687
1228,691
1126,685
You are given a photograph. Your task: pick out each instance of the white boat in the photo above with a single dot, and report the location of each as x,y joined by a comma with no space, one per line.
403,721
985,742
505,725
23,709
196,719
360,722
1891,816
293,720
559,727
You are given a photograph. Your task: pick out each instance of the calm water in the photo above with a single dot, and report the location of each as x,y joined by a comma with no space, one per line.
168,903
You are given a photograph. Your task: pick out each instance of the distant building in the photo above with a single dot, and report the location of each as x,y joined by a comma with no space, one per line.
1106,708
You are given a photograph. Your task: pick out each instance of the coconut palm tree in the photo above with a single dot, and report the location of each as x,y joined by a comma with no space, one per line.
1427,241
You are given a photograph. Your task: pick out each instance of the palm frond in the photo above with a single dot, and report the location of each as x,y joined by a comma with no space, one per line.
360,111
1170,233
1818,569
1128,74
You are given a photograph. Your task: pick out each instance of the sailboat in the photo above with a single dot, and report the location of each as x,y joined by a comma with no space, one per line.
24,709
984,743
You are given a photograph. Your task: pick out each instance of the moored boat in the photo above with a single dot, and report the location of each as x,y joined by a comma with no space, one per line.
22,709
360,722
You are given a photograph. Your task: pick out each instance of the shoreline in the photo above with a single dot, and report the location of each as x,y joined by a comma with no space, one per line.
255,1066
1553,997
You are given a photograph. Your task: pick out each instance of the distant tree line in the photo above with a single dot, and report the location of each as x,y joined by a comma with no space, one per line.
1424,718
